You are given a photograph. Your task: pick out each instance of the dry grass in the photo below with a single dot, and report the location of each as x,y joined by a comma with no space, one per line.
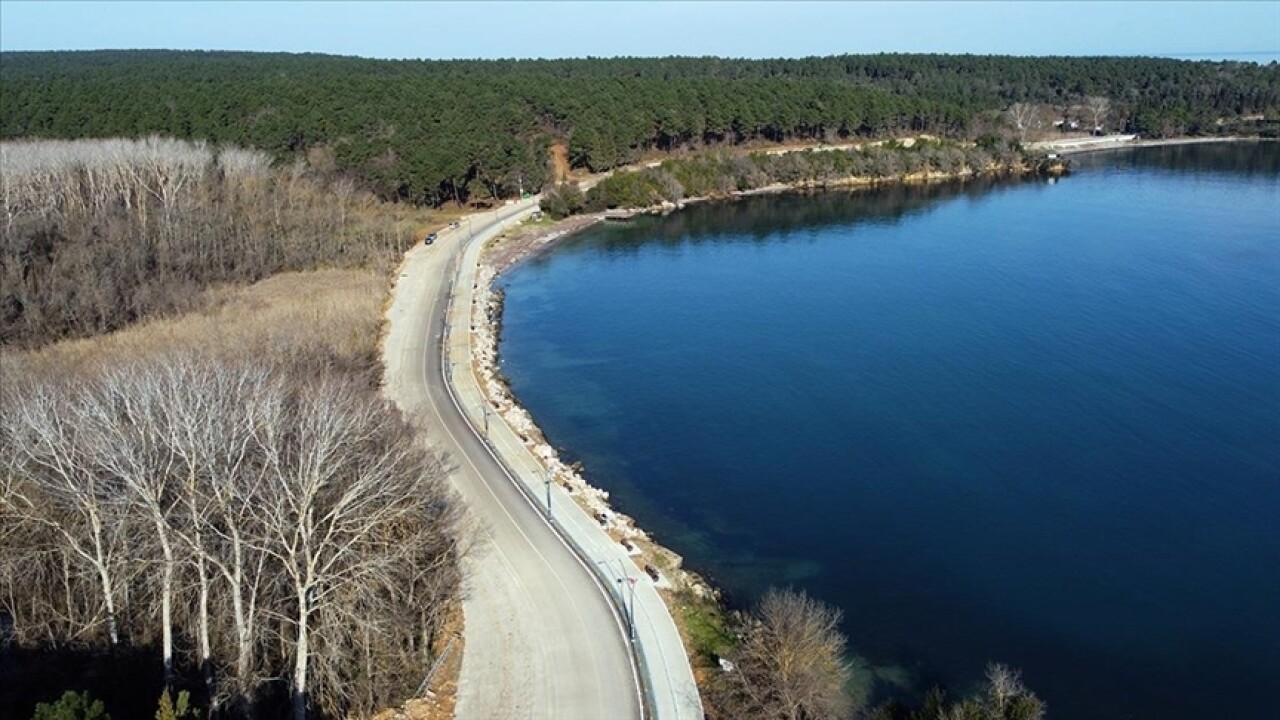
326,317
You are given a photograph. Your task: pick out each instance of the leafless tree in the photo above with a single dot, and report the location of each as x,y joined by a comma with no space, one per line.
292,524
1025,118
1098,109
791,663
128,438
334,484
212,414
55,485
343,190
100,233
1007,698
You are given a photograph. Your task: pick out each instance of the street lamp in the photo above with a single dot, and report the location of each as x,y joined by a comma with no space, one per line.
628,603
629,609
548,484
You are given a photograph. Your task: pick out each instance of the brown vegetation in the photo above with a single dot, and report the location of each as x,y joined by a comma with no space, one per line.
326,320
790,664
227,488
97,234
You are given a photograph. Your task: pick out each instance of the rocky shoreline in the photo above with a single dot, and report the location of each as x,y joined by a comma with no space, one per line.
487,328
515,247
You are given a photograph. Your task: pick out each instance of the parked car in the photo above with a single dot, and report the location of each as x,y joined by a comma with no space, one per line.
431,238
652,571
455,224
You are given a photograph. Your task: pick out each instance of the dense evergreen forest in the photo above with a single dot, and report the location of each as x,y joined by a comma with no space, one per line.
439,131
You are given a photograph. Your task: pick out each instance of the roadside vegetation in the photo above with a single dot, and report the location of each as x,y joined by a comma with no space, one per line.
786,660
432,132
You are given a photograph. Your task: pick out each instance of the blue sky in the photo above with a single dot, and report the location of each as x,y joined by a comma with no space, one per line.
576,29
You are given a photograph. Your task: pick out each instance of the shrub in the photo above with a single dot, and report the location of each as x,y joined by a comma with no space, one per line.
72,706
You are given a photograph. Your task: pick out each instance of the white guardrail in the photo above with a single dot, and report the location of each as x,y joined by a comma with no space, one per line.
667,687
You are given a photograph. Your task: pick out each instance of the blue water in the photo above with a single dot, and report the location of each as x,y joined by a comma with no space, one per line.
1036,423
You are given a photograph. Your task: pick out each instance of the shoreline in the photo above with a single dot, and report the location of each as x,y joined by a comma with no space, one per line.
487,302
1080,146
540,240
513,248
680,586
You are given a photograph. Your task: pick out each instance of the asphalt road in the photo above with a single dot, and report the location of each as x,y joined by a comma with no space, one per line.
542,639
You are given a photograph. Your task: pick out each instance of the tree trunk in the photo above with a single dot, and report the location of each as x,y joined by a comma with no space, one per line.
113,629
206,654
301,651
244,634
166,602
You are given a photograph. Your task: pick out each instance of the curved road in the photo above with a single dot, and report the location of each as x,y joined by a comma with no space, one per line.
542,639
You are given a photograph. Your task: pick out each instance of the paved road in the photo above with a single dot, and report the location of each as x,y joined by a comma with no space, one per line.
542,640
670,687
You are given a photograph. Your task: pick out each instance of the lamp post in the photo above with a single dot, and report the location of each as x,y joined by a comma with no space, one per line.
629,609
547,480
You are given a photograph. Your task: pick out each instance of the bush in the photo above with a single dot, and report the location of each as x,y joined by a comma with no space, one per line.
72,706
181,709
563,201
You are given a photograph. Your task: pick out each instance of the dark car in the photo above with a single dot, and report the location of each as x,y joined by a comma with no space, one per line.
653,572
431,237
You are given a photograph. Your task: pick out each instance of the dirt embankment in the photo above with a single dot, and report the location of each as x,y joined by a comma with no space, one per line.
560,162
509,251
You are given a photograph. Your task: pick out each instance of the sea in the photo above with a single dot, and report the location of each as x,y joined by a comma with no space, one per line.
1034,422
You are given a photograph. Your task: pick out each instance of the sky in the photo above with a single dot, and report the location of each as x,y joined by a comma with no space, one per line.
578,29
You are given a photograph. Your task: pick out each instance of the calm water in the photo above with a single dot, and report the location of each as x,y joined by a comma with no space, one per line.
1034,423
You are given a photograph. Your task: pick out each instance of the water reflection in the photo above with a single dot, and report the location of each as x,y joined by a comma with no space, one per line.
787,216
1258,158
988,421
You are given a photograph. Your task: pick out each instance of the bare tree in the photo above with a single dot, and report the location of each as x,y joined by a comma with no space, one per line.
294,525
337,476
56,486
124,439
1025,118
791,663
99,233
212,414
342,190
1007,698
1098,109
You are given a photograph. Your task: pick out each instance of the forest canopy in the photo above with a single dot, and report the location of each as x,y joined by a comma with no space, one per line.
473,130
